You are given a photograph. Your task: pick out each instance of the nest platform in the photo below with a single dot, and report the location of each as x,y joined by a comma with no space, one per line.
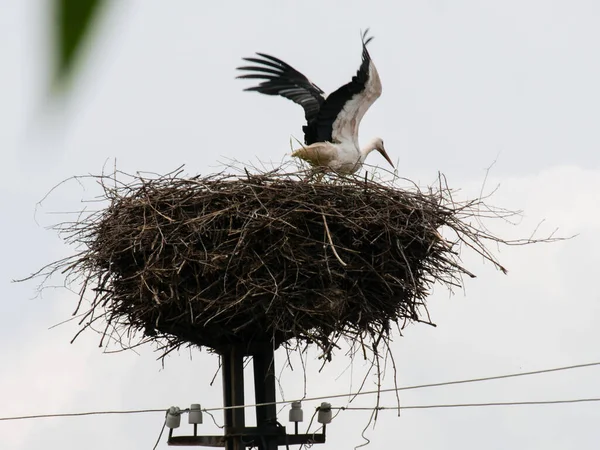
275,257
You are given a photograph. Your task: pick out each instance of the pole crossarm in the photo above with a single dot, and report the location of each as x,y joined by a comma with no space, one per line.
268,434
252,437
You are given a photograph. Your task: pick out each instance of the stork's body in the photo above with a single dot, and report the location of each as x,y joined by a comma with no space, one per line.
343,157
331,132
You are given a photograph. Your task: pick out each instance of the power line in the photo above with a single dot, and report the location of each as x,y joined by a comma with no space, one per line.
470,405
422,386
162,430
325,397
341,408
89,413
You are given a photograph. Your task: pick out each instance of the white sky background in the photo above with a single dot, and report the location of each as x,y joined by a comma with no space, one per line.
465,83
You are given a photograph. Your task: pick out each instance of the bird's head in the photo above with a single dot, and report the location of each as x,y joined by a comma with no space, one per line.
378,145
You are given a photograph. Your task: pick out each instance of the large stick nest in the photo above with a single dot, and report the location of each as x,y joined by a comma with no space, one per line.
273,257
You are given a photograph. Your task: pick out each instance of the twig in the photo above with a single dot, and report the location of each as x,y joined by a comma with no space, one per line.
331,242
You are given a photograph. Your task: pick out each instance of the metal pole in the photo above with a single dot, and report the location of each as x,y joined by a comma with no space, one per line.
264,391
233,394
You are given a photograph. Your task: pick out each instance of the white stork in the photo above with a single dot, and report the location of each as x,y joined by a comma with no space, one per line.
331,133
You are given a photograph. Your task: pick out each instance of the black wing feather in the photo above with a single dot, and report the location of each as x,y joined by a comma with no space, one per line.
282,79
322,127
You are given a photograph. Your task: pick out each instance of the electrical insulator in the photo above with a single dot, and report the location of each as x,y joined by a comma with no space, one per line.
173,417
325,414
195,416
296,413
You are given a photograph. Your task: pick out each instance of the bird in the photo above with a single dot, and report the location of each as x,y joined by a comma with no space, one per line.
332,122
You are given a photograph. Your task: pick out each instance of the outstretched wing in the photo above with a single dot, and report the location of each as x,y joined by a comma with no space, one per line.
282,79
340,115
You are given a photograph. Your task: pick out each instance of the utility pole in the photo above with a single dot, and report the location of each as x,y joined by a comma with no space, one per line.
268,433
233,395
264,392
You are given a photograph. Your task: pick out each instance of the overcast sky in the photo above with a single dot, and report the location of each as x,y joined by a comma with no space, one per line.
465,83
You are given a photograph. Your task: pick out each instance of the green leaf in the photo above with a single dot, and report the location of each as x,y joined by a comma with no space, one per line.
72,24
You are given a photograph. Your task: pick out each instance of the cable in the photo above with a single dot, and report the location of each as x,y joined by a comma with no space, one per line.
89,413
419,386
326,397
162,430
213,419
470,405
341,408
